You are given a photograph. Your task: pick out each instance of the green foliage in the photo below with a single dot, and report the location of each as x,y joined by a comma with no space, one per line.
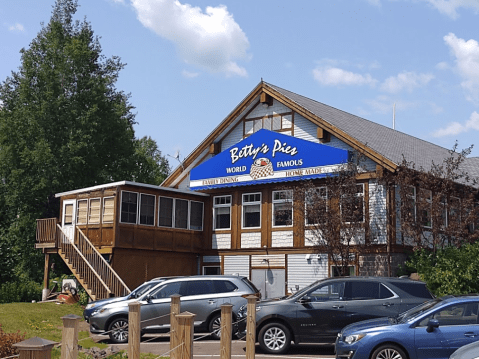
151,167
25,291
6,342
450,270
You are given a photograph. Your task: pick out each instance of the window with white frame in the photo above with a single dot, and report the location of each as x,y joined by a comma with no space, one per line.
410,212
147,209
108,209
181,213
82,211
129,207
222,212
165,213
336,271
352,205
425,207
316,205
94,210
282,208
196,216
251,210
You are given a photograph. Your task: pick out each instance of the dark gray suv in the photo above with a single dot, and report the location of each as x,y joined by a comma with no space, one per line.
317,313
200,295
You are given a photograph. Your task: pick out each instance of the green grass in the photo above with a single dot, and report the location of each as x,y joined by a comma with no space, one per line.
37,319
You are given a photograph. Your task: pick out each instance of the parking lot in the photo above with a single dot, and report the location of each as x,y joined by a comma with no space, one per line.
159,344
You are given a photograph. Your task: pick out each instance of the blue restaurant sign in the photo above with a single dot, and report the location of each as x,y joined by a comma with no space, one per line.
266,157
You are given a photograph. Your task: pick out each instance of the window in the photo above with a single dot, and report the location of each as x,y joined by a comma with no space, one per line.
316,205
167,290
222,212
252,210
108,209
327,292
425,207
411,204
224,286
352,205
211,270
129,207
165,216
147,209
196,216
68,217
457,314
451,211
364,290
336,271
82,211
94,210
200,287
181,213
277,122
282,208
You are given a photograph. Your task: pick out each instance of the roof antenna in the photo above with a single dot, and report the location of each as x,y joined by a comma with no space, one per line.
394,116
177,157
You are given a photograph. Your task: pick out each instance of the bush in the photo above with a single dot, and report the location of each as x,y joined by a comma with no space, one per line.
14,292
6,342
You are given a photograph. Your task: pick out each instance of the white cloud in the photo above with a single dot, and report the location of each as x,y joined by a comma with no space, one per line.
455,128
405,81
467,64
450,7
443,66
16,28
211,40
334,76
189,75
374,2
384,104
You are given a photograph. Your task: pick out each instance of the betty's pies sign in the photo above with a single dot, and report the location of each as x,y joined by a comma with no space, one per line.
264,157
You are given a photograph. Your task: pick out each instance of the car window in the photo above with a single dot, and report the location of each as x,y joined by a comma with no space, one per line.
200,287
361,290
384,292
457,314
327,292
167,290
224,286
418,290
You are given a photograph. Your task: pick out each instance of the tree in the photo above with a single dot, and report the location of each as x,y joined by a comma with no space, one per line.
331,215
63,125
151,167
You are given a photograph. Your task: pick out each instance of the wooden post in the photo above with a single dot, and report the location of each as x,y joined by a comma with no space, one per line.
46,271
226,335
134,330
70,337
251,327
175,308
185,335
35,348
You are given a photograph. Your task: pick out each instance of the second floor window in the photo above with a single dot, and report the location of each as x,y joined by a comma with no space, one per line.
252,210
222,212
181,213
352,204
129,207
147,209
282,208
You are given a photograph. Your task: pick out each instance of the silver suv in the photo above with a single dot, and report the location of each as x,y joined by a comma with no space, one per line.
201,295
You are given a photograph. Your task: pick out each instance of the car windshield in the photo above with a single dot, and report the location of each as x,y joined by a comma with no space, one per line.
414,312
142,289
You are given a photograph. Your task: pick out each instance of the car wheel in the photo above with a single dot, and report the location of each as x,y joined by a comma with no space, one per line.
118,330
275,338
389,351
215,326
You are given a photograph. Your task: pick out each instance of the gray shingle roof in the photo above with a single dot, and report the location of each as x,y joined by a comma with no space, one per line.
389,143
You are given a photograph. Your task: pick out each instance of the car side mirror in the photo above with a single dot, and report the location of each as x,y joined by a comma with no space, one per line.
148,298
433,323
305,299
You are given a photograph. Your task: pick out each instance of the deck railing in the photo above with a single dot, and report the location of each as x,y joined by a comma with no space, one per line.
46,230
95,272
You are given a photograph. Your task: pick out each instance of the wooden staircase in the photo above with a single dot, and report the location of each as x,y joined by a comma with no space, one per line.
88,266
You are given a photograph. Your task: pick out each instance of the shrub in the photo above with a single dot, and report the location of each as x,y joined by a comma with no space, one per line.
6,342
26,291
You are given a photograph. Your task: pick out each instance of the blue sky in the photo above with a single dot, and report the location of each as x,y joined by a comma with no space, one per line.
189,63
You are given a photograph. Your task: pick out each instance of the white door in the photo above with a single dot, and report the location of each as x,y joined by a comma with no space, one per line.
69,218
270,282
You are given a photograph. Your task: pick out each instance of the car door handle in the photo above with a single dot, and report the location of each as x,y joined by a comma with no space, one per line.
388,304
470,334
338,306
211,301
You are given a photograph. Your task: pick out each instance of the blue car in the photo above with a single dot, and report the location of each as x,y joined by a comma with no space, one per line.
434,329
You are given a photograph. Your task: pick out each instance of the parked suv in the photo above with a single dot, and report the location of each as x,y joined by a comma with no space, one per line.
200,295
317,313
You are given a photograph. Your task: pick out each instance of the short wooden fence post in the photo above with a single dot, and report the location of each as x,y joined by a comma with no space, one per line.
175,308
226,326
251,327
35,348
134,330
185,335
70,337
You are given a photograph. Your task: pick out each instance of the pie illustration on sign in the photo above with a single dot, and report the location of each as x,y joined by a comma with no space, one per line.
261,167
